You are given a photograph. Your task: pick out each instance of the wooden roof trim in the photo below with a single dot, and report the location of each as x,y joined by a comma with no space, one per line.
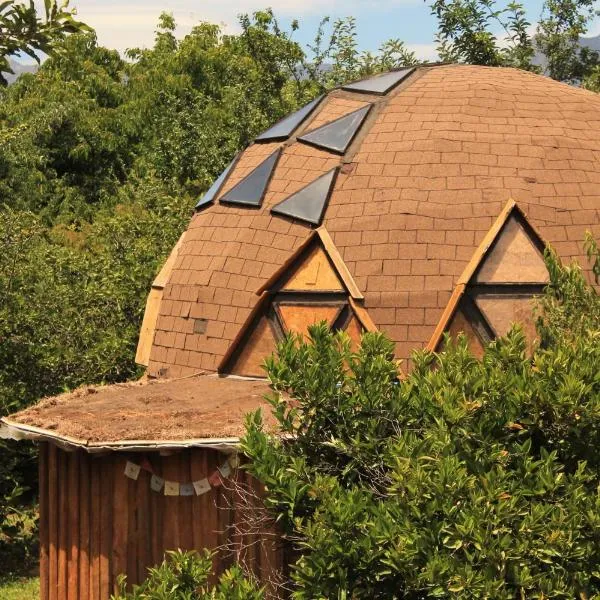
332,253
291,259
161,280
243,331
486,243
363,316
447,315
339,264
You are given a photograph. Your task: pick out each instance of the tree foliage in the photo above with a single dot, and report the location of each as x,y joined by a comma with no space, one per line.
463,479
184,576
22,31
486,32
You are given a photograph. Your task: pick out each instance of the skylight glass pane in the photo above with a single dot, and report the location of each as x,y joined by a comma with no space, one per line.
214,189
337,135
250,191
284,128
380,84
309,203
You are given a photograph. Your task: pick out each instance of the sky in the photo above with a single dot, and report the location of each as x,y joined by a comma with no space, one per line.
131,23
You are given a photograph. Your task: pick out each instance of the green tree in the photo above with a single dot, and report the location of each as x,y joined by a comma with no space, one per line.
21,30
485,32
464,479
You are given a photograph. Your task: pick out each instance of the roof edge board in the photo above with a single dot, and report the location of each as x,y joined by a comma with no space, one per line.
446,317
333,255
363,316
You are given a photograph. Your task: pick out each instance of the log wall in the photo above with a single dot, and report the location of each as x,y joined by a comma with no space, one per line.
95,523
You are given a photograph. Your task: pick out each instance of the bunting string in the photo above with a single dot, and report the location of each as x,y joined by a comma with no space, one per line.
187,488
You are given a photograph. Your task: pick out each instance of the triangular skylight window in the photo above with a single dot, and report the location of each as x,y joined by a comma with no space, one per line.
337,135
284,128
214,189
380,84
498,286
313,286
251,190
309,203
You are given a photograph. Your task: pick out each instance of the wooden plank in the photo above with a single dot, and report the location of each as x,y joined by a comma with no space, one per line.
53,484
106,514
146,339
43,501
73,573
132,532
315,273
95,526
198,472
171,533
186,516
84,526
63,522
120,521
446,318
144,541
156,510
299,317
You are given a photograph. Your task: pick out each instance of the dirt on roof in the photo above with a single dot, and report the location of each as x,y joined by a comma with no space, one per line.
167,410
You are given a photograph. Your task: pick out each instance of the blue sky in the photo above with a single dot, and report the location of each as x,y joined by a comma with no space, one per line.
129,23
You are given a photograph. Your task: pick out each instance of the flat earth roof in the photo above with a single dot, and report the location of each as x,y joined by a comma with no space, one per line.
204,410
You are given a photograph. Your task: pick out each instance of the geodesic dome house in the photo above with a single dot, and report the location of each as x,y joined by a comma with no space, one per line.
417,202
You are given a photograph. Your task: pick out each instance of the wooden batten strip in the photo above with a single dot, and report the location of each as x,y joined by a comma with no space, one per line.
186,516
73,525
106,517
197,473
53,484
43,500
84,526
144,538
363,316
120,518
95,525
446,317
63,522
486,243
171,533
287,264
156,510
339,264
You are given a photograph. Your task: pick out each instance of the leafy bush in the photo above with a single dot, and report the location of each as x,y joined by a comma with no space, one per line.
184,576
464,479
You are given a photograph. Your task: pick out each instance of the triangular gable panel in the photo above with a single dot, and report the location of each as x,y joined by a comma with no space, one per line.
283,129
513,258
380,84
460,324
355,331
251,190
502,311
297,318
337,135
309,203
314,273
215,188
259,344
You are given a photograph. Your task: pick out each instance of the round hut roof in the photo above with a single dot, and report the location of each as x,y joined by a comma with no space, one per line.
407,178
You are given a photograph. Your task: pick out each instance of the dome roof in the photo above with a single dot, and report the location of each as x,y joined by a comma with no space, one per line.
407,187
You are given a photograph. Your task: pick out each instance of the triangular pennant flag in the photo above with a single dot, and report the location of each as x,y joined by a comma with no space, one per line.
186,489
250,191
156,483
215,479
380,84
309,203
171,488
146,465
201,487
284,128
337,135
132,470
225,469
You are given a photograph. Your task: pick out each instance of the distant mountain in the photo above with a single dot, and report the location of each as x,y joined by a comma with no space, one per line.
19,68
593,43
